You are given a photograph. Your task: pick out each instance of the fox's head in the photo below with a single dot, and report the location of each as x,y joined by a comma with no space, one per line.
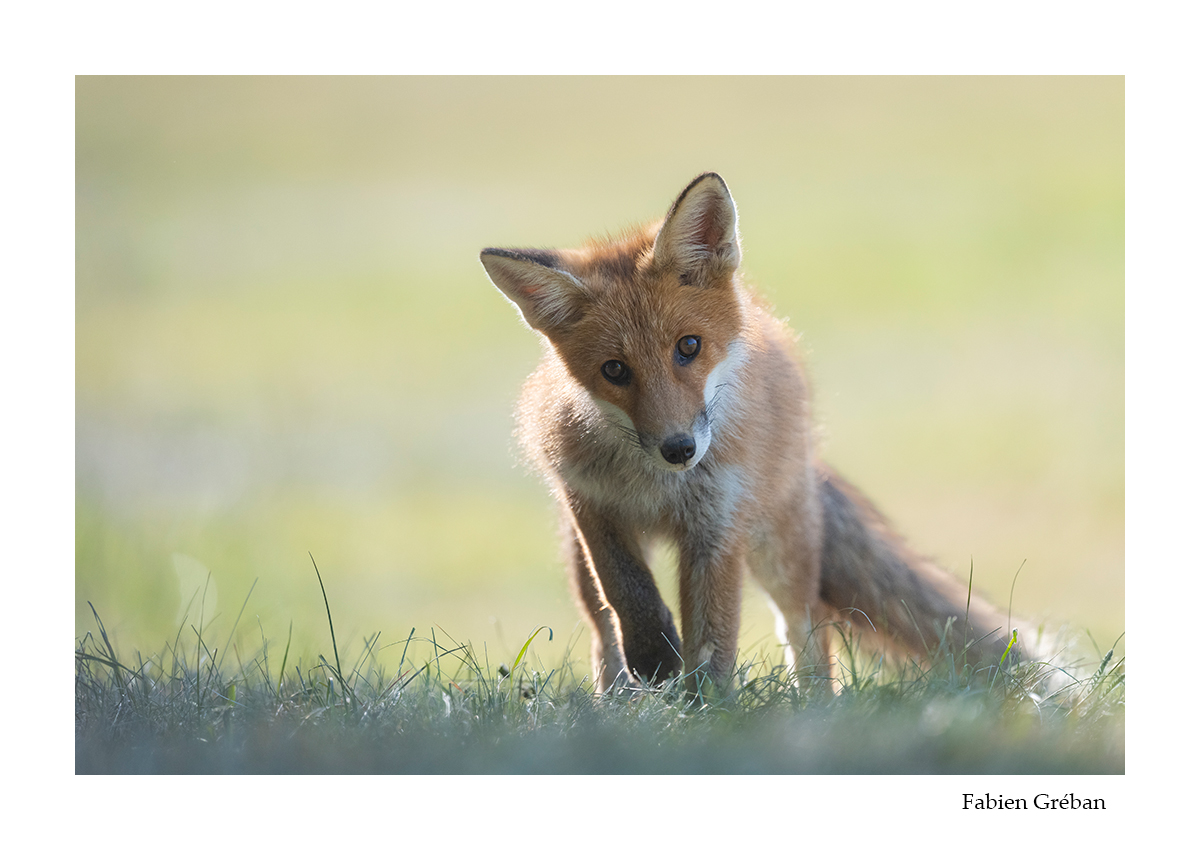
648,323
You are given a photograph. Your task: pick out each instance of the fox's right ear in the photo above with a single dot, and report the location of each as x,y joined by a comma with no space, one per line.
547,296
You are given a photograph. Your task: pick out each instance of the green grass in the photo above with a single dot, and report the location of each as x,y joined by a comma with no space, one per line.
202,705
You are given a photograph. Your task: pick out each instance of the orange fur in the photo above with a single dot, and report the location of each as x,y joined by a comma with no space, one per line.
670,403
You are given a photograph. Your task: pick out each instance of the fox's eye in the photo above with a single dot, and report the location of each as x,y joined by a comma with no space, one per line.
688,347
616,372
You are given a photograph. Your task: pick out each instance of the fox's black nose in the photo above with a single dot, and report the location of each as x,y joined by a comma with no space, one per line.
678,449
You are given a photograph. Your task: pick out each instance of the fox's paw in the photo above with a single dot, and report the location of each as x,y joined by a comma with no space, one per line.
621,683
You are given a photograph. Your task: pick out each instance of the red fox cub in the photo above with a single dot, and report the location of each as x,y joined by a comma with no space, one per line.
670,403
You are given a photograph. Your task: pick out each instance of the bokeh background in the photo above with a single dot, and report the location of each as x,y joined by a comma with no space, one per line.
285,343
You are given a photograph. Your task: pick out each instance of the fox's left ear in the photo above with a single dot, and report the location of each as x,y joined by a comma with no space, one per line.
699,235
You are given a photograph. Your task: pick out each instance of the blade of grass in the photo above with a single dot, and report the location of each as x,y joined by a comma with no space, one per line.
1012,588
283,666
225,649
336,660
536,632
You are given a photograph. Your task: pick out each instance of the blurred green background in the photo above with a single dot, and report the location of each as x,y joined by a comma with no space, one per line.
285,343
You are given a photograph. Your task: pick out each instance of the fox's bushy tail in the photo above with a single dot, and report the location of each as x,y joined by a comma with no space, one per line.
893,597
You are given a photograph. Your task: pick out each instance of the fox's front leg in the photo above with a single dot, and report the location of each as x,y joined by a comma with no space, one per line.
608,658
632,628
710,596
